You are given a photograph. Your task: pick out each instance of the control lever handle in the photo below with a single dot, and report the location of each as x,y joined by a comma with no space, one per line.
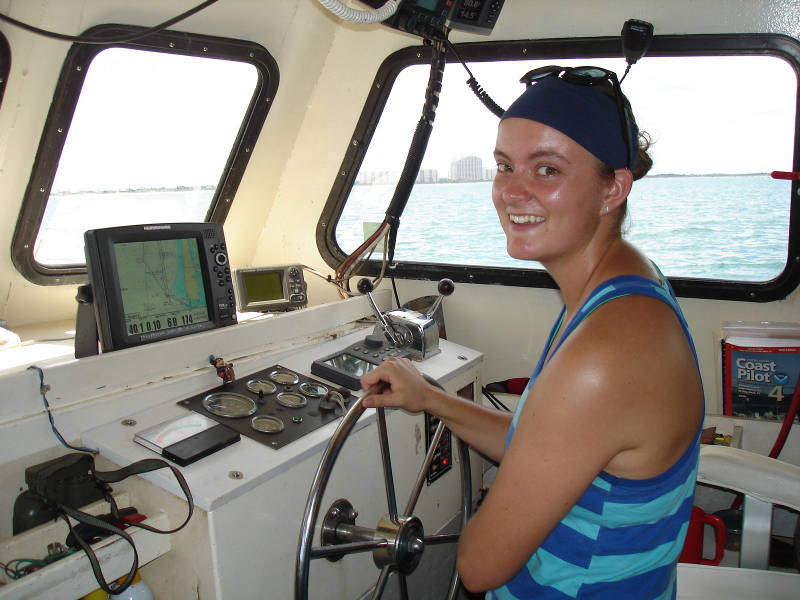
445,288
365,287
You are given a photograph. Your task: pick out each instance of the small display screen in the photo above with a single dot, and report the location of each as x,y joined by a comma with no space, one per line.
161,284
470,10
348,363
429,4
263,287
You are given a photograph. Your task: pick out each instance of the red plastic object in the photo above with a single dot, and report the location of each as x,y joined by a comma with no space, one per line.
516,385
790,175
693,546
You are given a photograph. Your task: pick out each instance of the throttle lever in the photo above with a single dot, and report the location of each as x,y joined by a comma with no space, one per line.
445,288
365,287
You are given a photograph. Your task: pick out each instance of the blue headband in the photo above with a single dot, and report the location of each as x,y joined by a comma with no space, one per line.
580,112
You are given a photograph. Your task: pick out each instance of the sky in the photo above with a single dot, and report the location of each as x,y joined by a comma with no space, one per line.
703,114
130,98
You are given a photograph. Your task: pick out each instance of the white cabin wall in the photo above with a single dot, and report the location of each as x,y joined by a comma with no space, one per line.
331,111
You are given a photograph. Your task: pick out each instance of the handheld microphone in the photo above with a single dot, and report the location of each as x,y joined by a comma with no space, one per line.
636,38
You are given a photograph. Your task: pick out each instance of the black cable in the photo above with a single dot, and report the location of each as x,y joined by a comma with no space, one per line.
625,74
416,151
79,39
396,296
25,566
42,389
494,400
476,88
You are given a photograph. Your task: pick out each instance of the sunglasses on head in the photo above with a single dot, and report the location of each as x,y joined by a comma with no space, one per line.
591,76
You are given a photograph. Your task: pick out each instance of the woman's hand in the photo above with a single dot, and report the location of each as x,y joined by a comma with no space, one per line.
404,386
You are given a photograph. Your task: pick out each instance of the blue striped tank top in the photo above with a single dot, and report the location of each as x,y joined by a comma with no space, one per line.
623,537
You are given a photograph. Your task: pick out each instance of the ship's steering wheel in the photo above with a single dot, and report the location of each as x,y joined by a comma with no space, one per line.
398,540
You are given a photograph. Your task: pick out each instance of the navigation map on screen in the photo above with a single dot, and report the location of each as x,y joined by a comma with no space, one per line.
161,283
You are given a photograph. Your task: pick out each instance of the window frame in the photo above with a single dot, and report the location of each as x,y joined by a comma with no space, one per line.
62,109
781,46
5,64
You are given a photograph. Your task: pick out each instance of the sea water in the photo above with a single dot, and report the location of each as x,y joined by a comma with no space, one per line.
717,227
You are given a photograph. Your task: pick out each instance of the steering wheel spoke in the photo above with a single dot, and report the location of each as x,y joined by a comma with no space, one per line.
383,579
423,472
398,541
386,461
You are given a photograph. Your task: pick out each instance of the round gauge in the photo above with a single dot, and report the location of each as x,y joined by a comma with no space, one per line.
266,424
229,404
284,377
261,386
313,389
291,400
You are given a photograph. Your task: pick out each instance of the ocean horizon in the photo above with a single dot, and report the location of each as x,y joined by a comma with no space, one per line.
706,226
733,227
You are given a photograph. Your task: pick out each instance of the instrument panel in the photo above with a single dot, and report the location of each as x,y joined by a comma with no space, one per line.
274,406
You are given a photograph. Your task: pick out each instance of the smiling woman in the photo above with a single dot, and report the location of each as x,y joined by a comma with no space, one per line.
613,517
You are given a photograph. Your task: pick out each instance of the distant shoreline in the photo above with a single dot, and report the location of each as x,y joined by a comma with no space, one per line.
179,188
709,175
183,188
653,176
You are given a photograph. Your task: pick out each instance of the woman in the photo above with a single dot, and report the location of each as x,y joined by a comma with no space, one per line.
597,468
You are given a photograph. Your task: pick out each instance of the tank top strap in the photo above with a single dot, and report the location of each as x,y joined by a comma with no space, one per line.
627,285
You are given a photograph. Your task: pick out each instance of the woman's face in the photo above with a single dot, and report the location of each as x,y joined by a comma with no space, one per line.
548,191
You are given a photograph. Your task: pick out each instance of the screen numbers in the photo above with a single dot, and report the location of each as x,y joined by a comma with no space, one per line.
136,327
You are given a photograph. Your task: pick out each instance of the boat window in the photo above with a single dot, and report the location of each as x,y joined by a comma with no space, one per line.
710,213
152,133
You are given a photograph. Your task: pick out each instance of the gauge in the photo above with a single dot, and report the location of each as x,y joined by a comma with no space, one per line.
266,424
313,389
229,404
291,400
284,377
261,386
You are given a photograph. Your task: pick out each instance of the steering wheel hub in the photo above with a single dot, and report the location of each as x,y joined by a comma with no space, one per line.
406,543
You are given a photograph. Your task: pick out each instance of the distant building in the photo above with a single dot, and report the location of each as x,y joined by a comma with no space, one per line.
377,177
428,176
468,168
489,172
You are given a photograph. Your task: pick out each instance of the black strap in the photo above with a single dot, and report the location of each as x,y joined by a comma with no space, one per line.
145,466
82,517
106,477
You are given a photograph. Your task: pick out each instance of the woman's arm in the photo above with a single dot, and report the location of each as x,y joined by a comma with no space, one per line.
482,428
564,437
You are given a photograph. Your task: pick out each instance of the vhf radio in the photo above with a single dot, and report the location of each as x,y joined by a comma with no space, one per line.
426,18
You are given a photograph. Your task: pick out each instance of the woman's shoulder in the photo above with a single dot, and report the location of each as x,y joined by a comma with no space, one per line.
630,343
630,366
634,325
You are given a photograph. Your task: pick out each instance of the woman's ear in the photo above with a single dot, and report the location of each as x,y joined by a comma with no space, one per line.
619,188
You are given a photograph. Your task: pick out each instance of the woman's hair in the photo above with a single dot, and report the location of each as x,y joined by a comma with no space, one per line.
643,161
643,164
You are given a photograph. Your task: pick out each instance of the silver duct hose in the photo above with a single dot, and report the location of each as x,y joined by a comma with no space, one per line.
373,15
